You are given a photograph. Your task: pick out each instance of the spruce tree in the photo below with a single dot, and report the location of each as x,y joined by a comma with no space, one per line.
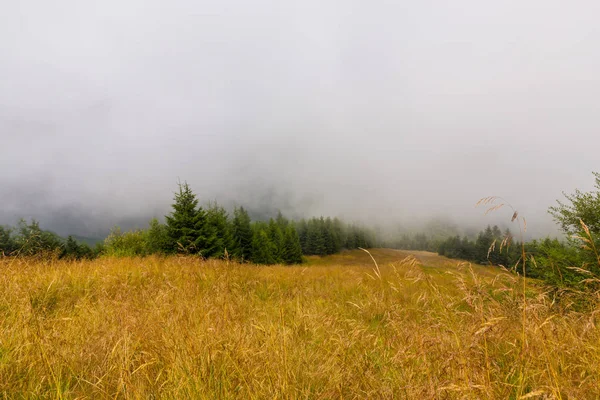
496,232
70,249
220,239
186,222
329,236
483,243
262,247
355,238
336,235
242,234
158,239
206,235
276,236
315,239
302,229
281,221
468,249
292,253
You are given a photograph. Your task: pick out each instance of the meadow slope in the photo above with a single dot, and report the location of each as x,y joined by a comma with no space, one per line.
420,327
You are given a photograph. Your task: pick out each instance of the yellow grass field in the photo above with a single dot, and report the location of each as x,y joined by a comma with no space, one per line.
424,327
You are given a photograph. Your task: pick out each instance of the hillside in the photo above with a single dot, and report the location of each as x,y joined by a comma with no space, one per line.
420,326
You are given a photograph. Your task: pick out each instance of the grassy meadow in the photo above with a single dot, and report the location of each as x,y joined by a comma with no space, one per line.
418,326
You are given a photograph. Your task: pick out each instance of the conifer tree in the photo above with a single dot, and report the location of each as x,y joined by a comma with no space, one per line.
302,229
315,239
206,235
334,236
351,239
262,247
483,244
70,249
281,221
496,232
467,249
276,236
75,250
329,236
186,223
158,239
292,253
242,234
220,240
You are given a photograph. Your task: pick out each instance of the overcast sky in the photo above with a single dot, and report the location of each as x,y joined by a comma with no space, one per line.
364,109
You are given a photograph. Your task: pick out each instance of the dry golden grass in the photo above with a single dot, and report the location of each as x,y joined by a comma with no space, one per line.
183,328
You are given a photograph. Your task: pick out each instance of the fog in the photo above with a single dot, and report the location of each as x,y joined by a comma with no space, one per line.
392,112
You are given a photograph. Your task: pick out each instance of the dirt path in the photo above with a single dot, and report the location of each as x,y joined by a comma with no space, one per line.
386,256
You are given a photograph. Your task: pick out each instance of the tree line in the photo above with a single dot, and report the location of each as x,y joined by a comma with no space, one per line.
418,241
29,239
492,246
210,232
563,263
572,263
324,236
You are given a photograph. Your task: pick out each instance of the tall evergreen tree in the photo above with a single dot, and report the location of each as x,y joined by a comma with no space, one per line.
327,233
186,223
352,239
219,233
302,229
467,249
263,249
276,236
70,249
335,233
496,232
242,234
281,221
158,239
76,251
206,234
315,238
483,243
292,253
